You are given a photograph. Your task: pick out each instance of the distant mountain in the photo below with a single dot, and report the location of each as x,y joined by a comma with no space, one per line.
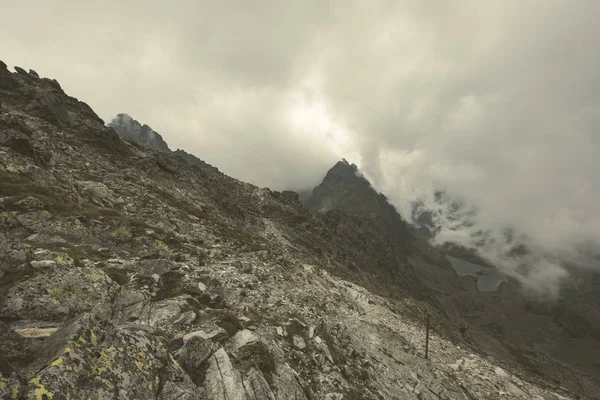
345,188
130,129
503,323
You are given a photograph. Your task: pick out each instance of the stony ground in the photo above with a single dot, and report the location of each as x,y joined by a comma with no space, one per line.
127,273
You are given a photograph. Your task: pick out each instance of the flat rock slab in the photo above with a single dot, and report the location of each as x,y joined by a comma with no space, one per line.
36,332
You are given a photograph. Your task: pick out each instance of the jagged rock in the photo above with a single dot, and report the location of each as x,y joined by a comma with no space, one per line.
223,382
21,71
192,159
298,342
515,391
242,340
32,72
159,266
257,388
216,335
164,312
58,294
294,326
99,194
192,355
3,65
93,358
51,108
30,203
287,383
129,129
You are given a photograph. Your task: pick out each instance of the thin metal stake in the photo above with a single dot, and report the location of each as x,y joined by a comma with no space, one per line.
427,338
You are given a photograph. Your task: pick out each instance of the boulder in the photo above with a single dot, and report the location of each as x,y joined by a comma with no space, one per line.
223,382
287,383
91,358
256,386
298,342
192,355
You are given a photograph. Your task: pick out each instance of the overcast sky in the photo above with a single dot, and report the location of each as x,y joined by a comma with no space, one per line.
498,102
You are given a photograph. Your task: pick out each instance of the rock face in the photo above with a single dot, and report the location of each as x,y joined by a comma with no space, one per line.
129,129
192,159
127,272
344,188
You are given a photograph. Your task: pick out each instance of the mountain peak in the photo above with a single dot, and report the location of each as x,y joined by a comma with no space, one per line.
345,188
345,170
130,129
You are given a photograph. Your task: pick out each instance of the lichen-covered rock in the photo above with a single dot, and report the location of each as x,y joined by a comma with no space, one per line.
11,386
94,358
193,356
58,290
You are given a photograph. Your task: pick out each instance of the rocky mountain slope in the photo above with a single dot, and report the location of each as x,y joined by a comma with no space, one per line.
554,339
129,273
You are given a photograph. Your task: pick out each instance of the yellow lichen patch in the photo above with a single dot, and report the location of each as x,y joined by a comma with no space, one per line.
64,260
105,361
15,390
93,337
78,225
2,382
40,390
58,362
160,245
140,365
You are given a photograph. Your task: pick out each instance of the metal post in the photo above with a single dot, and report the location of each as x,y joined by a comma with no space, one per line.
427,337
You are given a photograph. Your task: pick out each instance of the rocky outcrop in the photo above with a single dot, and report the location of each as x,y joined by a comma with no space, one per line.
128,273
130,129
192,159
